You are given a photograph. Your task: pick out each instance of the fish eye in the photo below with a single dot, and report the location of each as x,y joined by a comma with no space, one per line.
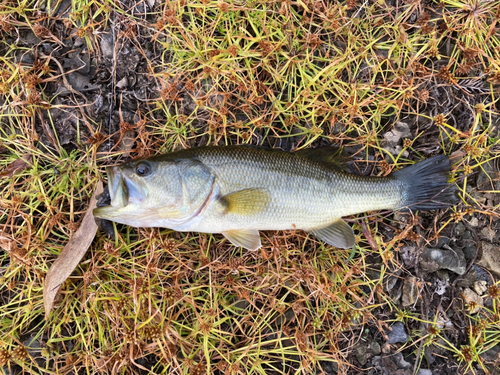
142,169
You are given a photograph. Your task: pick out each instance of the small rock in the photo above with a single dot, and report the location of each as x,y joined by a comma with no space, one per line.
122,83
471,297
390,282
440,242
401,130
470,252
80,82
409,255
361,355
479,198
467,236
78,42
393,137
460,229
428,355
483,274
410,292
490,257
440,286
429,265
329,367
434,259
399,360
375,348
424,372
396,295
492,354
338,128
443,322
397,333
480,287
468,279
474,222
392,364
488,233
107,46
488,176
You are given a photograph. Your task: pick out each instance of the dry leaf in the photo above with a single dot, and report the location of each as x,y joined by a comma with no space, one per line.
7,244
17,165
71,255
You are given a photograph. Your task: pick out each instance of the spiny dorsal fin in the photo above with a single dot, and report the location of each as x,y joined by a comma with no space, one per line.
246,202
246,238
338,234
328,154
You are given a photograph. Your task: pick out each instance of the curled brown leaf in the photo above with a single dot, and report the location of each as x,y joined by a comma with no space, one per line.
71,255
17,165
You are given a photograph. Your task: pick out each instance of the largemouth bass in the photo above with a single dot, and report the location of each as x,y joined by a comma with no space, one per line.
239,190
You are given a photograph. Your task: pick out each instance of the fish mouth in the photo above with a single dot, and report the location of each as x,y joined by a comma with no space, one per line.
118,191
123,192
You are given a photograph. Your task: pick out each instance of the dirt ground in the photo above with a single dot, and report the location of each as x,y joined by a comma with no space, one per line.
122,90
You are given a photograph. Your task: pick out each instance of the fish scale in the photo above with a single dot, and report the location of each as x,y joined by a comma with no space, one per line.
293,181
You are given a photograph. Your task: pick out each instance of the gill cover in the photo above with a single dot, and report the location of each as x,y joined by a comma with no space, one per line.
196,187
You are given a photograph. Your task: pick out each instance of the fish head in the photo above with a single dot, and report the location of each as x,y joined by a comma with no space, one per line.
148,192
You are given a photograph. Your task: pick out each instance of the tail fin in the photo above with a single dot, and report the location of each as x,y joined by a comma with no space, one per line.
427,186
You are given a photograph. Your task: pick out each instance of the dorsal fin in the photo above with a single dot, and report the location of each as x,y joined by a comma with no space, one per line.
328,154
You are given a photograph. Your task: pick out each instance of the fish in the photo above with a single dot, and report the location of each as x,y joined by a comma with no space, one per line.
240,190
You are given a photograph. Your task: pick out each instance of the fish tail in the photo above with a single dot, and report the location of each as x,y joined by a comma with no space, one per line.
426,185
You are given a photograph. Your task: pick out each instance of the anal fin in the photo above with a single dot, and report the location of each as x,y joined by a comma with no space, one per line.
247,238
338,234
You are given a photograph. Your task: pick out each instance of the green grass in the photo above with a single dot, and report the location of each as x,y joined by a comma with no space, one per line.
280,74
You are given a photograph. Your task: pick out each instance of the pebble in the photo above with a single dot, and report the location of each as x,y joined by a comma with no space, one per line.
488,233
361,355
490,257
470,252
397,333
107,46
468,279
410,291
409,254
440,286
471,296
440,242
394,363
392,138
460,229
375,347
434,259
492,354
474,222
480,287
488,176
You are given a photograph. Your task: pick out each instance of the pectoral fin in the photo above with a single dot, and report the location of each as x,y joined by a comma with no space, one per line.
246,202
246,238
338,234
